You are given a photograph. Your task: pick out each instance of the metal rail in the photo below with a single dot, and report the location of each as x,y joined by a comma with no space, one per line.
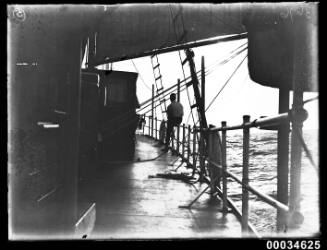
258,123
188,154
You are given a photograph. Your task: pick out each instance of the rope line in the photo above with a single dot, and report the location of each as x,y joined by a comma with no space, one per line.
306,150
198,74
140,75
180,57
226,83
311,99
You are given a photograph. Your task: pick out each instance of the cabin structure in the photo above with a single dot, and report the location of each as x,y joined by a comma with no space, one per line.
77,169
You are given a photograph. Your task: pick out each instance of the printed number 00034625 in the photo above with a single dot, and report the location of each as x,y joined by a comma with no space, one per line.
293,244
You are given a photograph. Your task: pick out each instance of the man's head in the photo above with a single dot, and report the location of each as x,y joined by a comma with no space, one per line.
173,97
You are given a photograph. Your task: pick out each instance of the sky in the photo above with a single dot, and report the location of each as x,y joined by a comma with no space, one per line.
241,96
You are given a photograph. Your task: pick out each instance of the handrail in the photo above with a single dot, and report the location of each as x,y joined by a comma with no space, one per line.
258,123
185,141
261,122
164,94
271,201
168,89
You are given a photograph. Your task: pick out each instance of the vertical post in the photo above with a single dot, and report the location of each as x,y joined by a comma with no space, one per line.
178,142
296,152
149,126
214,157
178,100
178,90
152,110
189,144
224,165
245,178
202,155
172,140
194,149
282,160
183,142
203,81
298,115
143,124
156,128
211,158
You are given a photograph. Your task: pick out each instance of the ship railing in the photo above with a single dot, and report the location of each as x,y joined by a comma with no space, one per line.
206,152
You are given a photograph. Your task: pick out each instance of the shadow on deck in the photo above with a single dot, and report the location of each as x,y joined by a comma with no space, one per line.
131,205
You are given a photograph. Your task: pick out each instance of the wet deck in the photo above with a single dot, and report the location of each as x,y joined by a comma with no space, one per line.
130,205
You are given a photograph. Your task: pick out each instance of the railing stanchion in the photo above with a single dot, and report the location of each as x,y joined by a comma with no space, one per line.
183,142
245,179
282,160
210,157
143,125
178,142
149,126
178,127
214,156
152,110
299,115
202,155
224,165
156,128
178,90
189,144
194,149
173,139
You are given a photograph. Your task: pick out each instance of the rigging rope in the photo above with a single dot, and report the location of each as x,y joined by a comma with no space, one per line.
179,53
311,99
140,76
223,62
306,150
225,83
230,58
207,72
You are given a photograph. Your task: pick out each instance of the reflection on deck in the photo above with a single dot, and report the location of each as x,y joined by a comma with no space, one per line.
129,204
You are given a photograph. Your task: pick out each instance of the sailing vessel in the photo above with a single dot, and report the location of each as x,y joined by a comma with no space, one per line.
64,120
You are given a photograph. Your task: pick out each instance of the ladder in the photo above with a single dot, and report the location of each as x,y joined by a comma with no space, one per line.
158,82
199,101
181,35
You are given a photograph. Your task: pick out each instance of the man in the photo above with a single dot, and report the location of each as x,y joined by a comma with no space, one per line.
175,116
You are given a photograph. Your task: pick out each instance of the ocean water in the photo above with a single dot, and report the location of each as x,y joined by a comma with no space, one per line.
263,176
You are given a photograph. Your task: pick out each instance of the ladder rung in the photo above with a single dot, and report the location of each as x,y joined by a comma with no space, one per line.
185,60
158,90
156,66
158,77
188,84
194,106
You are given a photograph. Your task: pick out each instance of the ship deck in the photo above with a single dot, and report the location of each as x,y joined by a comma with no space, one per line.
130,205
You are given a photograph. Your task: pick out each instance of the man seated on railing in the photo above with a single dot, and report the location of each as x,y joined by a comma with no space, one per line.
175,116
